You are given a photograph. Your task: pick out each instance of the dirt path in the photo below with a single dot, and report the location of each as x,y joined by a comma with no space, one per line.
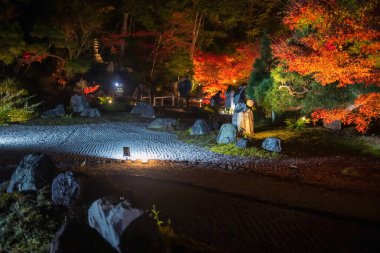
230,218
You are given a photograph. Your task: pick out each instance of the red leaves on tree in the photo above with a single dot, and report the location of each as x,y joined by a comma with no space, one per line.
337,45
90,89
216,72
343,46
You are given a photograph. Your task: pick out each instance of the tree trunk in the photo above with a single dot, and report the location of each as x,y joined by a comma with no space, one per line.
123,32
196,29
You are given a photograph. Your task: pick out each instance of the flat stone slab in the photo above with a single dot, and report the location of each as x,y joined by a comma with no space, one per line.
102,141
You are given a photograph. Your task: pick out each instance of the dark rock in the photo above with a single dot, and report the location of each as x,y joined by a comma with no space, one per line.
148,112
75,237
242,143
336,125
57,112
163,124
142,236
33,173
78,103
110,218
65,189
227,134
272,144
90,113
199,128
138,109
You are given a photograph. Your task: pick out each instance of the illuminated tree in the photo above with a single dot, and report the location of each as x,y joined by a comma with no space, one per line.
216,72
338,45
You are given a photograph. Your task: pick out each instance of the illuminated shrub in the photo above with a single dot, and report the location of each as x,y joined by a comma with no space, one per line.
14,105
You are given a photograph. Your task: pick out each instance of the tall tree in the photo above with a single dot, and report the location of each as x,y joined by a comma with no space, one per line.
337,44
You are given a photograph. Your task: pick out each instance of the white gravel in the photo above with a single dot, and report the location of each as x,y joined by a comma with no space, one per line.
103,141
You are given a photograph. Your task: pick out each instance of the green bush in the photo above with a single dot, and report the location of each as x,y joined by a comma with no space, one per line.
14,106
296,124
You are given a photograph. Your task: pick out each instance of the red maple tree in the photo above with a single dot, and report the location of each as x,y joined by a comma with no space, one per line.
336,45
216,72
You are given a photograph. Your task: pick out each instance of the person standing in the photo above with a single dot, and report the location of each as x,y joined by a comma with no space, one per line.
229,104
184,88
240,108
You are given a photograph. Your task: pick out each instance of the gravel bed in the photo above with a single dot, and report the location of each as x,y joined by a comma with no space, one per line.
105,141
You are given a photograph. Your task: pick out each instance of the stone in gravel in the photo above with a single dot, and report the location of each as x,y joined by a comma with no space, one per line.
227,134
148,112
272,144
57,112
78,103
199,128
142,236
33,173
138,109
336,125
65,189
76,237
90,113
163,124
110,218
242,143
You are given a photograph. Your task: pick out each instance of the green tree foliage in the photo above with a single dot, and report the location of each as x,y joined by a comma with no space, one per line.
259,80
12,42
14,105
292,91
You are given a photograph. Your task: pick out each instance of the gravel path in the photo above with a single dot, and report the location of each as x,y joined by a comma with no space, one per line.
101,141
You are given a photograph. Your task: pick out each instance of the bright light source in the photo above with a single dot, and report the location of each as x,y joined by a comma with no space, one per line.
234,81
117,84
110,101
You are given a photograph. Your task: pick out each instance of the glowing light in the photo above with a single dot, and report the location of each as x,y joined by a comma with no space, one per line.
234,81
110,101
117,84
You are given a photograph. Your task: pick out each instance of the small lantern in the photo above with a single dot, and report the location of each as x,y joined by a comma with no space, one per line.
126,152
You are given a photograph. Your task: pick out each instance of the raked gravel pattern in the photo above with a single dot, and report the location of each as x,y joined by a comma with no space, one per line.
103,141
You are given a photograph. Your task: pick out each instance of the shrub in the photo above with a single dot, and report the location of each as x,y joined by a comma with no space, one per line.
296,124
14,106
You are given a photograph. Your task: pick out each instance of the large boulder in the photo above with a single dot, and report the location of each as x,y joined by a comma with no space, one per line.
65,189
142,236
57,112
200,127
138,108
336,125
227,134
33,173
272,144
148,112
163,124
90,113
110,218
78,103
75,237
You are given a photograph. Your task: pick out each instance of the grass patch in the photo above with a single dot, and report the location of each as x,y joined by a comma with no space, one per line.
231,149
209,141
321,141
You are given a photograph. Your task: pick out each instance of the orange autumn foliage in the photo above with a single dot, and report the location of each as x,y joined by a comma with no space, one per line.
338,45
343,46
216,72
365,109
